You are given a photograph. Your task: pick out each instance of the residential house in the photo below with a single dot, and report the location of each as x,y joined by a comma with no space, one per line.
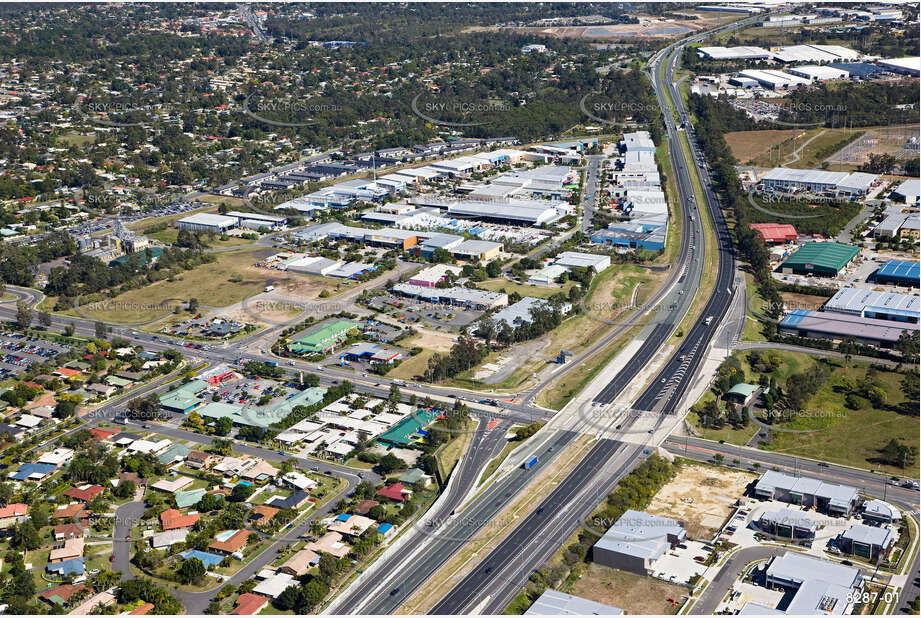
300,563
396,492
248,604
85,493
236,542
12,513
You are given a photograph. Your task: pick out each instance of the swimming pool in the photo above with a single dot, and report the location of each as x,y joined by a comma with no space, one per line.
226,534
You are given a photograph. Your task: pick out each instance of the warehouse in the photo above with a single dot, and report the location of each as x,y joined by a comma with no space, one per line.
897,225
639,203
548,275
858,183
638,141
905,66
476,250
823,259
432,276
207,222
315,265
878,305
255,220
647,233
814,53
775,233
909,192
392,237
519,212
821,587
868,542
841,326
372,352
520,312
788,523
816,181
733,53
774,80
467,297
816,73
572,259
427,247
838,500
636,541
899,272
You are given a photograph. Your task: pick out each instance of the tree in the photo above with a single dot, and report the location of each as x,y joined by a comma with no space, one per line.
241,493
69,330
105,580
44,318
192,570
395,394
391,462
898,454
100,330
848,348
911,388
65,408
223,425
193,305
25,536
314,593
493,269
290,597
23,315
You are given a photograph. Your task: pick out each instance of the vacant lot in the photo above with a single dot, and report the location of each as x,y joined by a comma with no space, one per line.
751,146
537,291
632,593
430,342
701,497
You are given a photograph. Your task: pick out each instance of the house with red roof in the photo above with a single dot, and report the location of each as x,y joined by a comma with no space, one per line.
102,434
11,513
75,509
233,544
249,604
68,531
141,610
171,519
396,492
66,372
86,493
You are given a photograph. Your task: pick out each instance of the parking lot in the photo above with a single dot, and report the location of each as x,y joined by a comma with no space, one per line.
434,316
18,352
678,565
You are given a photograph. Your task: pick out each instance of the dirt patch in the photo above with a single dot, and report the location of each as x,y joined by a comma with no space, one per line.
632,593
747,146
429,340
702,497
803,301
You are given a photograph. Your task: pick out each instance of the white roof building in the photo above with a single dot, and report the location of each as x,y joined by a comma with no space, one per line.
588,260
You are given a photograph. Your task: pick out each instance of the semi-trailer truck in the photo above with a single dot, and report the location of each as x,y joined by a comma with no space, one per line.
530,462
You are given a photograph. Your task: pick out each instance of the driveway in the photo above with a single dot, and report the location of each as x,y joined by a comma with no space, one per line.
714,593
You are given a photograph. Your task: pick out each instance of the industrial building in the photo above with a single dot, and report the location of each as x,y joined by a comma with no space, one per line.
898,225
880,512
733,53
555,603
432,276
878,305
643,233
476,250
774,80
572,259
775,233
814,53
838,500
820,587
909,192
372,352
520,312
313,265
841,326
547,275
816,73
787,523
636,541
907,66
207,222
465,297
255,220
519,212
899,272
817,181
823,259
868,542
324,338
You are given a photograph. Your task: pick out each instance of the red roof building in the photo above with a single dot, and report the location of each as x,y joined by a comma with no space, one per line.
141,610
395,492
171,519
69,510
233,544
775,232
249,604
64,592
85,493
102,434
66,372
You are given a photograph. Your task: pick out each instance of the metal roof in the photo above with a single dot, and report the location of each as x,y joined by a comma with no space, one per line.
787,174
830,255
640,534
856,300
871,535
843,325
900,269
798,568
204,218
556,603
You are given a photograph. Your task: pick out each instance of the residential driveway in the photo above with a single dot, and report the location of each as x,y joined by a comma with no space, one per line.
714,593
126,517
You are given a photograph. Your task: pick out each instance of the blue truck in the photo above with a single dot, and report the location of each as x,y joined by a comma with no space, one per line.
530,462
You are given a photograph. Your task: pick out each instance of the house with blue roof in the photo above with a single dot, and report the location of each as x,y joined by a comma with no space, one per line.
33,472
74,566
384,529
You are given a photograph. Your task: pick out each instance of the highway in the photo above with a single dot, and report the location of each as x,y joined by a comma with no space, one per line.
504,571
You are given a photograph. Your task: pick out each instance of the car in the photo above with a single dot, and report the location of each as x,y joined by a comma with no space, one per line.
488,570
652,431
360,475
847,563
682,546
315,468
822,464
394,592
700,558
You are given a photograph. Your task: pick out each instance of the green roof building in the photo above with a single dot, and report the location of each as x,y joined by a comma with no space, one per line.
306,397
324,338
183,399
825,259
742,393
139,257
409,430
185,499
173,452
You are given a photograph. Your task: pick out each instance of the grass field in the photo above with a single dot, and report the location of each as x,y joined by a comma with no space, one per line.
836,434
751,146
211,283
632,593
75,139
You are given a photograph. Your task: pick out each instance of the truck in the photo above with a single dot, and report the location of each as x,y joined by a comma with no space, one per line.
272,363
530,462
